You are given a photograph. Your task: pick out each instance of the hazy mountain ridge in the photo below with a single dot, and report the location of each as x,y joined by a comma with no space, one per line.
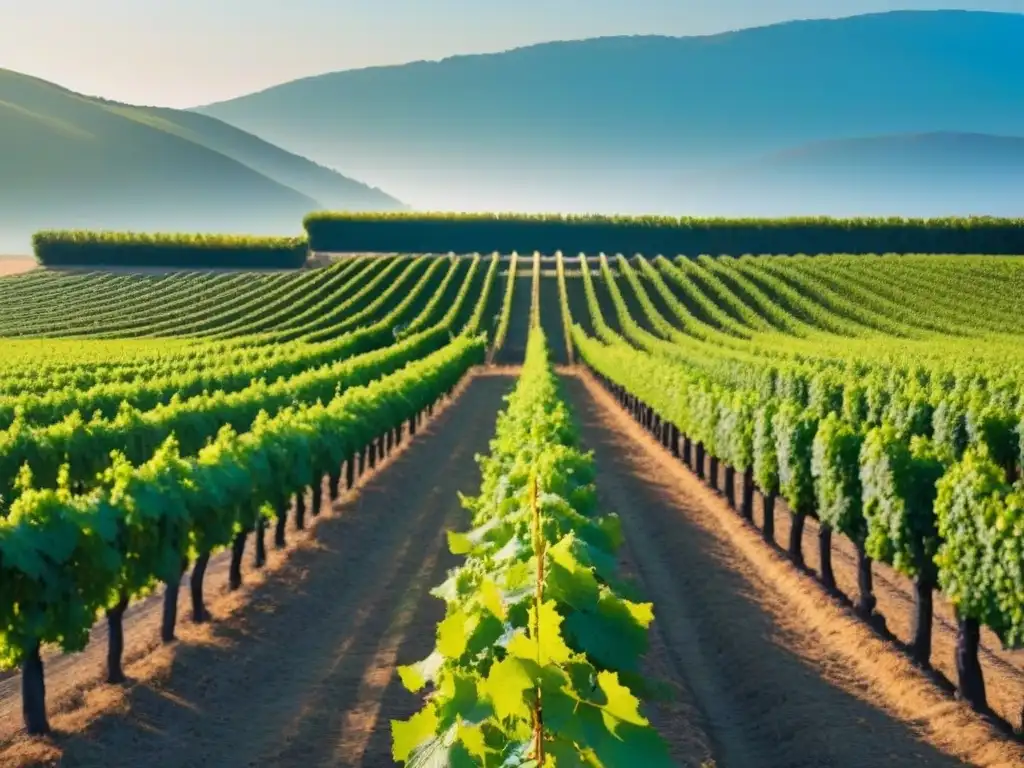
561,125
938,150
926,174
77,161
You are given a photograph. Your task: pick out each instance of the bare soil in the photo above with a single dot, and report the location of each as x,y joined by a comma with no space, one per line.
15,265
551,319
513,351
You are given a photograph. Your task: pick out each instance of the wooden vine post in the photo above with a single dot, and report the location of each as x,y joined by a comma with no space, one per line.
538,547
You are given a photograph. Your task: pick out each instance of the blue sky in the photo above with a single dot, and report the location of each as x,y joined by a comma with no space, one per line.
188,52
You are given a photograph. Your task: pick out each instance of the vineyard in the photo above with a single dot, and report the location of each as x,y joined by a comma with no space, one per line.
512,509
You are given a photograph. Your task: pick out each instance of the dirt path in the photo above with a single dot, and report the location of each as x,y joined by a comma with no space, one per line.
551,318
780,676
577,295
300,671
513,351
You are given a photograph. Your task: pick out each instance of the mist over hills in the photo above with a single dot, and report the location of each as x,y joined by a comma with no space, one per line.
660,124
930,174
73,161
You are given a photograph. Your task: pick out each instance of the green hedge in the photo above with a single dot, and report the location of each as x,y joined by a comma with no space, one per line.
484,233
129,249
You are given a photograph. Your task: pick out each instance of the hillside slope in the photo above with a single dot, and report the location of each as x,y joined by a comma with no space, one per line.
555,124
327,187
73,161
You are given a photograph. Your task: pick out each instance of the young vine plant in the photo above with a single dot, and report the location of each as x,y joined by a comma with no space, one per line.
537,661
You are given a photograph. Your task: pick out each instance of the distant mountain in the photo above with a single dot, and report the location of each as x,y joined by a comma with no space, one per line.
942,153
940,173
67,160
612,123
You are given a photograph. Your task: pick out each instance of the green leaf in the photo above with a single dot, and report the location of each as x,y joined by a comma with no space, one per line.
474,742
451,635
491,598
568,581
506,686
459,543
409,734
615,635
443,751
415,676
621,705
483,631
551,648
458,700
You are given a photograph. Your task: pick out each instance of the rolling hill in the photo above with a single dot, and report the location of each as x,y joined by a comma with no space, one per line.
643,123
76,161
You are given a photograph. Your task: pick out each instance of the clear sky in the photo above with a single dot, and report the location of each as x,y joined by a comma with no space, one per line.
190,52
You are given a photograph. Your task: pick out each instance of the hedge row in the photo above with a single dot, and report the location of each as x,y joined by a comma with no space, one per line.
485,233
128,249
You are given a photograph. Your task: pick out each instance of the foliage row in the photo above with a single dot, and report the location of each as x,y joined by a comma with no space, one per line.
224,368
485,233
505,316
71,248
916,458
922,485
64,557
537,658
